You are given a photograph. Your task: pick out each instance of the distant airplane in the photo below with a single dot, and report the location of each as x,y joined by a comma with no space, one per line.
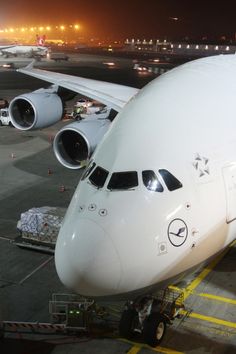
158,197
29,51
40,40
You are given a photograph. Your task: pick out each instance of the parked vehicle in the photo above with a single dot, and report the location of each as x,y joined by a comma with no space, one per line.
59,56
4,117
3,103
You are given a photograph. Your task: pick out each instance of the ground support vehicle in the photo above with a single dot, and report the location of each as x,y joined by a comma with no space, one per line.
69,314
59,56
39,228
4,117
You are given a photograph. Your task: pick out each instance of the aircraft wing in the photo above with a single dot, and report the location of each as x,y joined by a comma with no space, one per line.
2,47
112,95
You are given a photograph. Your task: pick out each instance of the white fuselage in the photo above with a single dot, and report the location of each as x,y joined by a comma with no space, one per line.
121,241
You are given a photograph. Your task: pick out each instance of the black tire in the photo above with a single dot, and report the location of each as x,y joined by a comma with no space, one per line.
126,325
0,123
154,329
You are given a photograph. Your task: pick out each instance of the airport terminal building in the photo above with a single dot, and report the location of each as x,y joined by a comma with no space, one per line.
178,48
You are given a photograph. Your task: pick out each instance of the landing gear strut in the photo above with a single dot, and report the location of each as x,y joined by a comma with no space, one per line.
127,323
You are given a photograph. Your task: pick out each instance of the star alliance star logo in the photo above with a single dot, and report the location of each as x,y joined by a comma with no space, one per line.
201,165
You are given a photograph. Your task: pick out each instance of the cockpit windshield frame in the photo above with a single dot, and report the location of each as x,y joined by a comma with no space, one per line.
88,170
98,177
171,182
125,180
151,181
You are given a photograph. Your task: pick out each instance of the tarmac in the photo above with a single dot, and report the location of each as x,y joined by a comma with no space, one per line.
28,278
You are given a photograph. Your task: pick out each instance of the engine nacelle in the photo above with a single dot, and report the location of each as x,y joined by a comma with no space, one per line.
74,144
36,110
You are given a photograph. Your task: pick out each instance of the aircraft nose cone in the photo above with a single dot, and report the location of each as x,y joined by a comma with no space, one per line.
86,259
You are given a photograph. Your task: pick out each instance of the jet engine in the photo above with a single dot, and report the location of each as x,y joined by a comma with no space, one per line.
36,110
74,144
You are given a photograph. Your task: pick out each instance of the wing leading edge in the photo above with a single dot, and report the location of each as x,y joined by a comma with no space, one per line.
112,95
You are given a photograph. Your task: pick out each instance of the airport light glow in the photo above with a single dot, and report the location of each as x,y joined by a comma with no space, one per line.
106,19
40,28
24,33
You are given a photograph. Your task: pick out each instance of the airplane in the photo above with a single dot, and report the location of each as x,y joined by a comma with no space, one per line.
158,196
29,51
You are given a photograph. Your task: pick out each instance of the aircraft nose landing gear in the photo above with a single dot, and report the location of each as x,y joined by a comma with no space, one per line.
154,329
148,316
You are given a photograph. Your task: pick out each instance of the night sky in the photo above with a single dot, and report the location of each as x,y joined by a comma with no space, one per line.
127,18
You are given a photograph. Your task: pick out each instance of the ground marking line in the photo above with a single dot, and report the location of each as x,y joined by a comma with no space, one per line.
6,239
217,298
35,270
192,286
187,292
145,346
209,319
208,296
8,281
202,326
206,271
134,350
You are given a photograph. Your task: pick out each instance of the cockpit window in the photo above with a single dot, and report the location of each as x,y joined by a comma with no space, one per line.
98,177
151,181
123,180
88,169
171,181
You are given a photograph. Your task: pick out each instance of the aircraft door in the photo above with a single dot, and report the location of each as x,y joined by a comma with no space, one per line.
229,174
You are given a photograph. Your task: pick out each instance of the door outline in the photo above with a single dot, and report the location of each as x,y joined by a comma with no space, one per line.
229,177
